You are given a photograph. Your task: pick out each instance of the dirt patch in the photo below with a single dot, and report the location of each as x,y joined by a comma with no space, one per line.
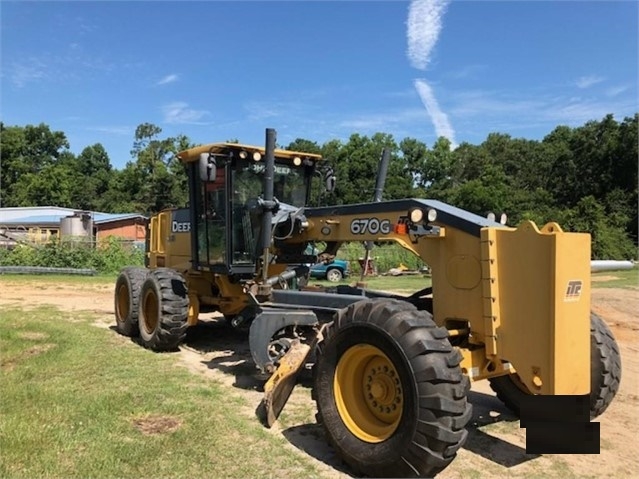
154,425
8,364
67,297
32,335
495,445
604,278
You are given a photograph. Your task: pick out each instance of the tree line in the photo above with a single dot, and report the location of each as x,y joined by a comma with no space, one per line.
585,178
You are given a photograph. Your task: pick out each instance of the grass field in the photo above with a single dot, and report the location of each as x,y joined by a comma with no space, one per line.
107,279
616,279
411,283
81,401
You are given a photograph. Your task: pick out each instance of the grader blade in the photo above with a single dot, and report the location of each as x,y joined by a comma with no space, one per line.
279,386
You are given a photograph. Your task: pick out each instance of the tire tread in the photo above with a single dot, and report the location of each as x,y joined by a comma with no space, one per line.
440,388
133,277
173,311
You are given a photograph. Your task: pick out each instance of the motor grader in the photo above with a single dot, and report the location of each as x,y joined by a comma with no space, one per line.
391,373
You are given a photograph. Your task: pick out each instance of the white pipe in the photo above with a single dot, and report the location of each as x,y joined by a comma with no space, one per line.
609,265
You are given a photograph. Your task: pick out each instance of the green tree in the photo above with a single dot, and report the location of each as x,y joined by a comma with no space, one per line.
155,179
435,172
302,145
94,172
26,152
53,185
356,163
609,241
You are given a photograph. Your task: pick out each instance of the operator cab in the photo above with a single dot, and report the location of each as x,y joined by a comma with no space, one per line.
226,186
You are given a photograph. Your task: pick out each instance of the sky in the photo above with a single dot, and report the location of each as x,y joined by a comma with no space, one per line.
318,70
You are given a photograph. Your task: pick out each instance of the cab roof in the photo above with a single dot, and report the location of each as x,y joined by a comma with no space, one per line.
193,154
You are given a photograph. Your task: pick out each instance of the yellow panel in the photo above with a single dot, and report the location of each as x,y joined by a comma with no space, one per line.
456,279
541,298
153,230
572,310
163,232
463,271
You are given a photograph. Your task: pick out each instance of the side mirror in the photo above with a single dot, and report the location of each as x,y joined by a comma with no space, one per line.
330,179
206,166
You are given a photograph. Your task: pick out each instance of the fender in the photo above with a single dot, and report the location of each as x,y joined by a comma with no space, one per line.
264,327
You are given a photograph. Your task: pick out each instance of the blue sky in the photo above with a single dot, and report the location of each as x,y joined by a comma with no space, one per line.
319,70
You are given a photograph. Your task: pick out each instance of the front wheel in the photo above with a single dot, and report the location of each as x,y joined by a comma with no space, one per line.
164,309
334,275
389,390
605,373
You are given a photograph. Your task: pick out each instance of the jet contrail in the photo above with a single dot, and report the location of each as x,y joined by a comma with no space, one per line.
424,26
439,118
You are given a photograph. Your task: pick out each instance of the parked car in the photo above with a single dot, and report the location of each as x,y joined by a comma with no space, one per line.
333,272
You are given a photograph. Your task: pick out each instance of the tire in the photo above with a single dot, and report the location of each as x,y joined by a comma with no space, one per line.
334,275
164,309
605,373
414,376
127,298
605,370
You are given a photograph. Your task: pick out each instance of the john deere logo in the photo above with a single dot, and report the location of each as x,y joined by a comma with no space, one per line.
573,291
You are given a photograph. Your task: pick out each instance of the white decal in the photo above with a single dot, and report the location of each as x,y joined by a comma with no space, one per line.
360,226
177,227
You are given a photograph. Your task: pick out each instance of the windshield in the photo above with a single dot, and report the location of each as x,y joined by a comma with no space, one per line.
227,218
289,183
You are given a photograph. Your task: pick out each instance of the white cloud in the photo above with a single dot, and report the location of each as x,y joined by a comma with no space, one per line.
481,110
467,71
439,118
407,93
424,25
425,18
112,130
32,70
173,77
264,110
259,112
487,103
588,81
388,122
71,65
179,113
616,90
574,113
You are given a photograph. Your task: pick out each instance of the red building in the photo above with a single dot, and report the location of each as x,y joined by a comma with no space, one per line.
41,224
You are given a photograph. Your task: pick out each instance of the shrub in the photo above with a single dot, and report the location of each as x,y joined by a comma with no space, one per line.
108,256
111,255
384,256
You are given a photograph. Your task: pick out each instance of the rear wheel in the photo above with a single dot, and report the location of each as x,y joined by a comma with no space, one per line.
334,275
390,393
164,308
127,297
605,373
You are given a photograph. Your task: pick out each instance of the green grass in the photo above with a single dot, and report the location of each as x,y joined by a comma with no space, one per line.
405,284
76,399
59,278
622,279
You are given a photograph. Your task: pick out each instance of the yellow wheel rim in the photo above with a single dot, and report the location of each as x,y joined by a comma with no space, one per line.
123,302
368,393
150,311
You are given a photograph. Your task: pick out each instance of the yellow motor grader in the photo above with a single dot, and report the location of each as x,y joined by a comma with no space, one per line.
391,372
